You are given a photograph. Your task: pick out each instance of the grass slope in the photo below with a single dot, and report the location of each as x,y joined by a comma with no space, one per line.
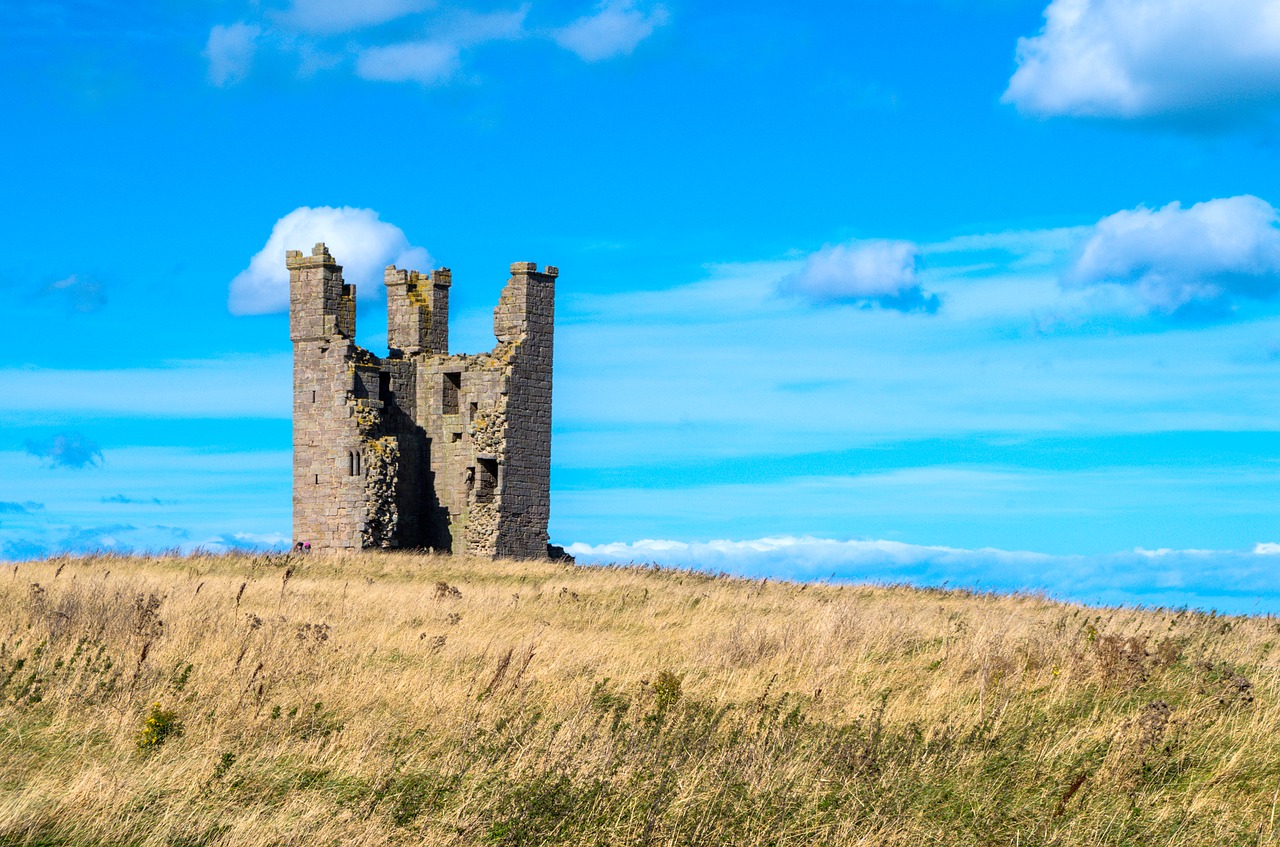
398,699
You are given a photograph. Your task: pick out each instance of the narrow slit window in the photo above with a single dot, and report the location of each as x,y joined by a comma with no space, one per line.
351,463
317,479
359,462
313,397
449,400
384,386
475,407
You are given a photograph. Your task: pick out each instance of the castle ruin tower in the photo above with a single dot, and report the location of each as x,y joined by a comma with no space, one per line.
422,449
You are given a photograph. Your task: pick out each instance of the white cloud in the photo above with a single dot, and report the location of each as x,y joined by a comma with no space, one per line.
361,242
230,51
874,272
1149,58
437,59
614,30
1239,581
425,62
1207,256
334,16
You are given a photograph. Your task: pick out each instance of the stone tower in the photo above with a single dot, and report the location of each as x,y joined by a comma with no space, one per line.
422,448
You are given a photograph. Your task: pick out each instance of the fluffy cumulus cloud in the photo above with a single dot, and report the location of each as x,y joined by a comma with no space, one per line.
865,273
230,50
360,241
1203,258
614,29
1240,581
1215,59
67,450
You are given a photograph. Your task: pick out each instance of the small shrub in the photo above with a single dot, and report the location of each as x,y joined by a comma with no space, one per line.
160,725
666,690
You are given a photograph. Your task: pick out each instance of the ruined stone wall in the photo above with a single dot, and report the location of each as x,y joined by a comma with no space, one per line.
524,320
424,448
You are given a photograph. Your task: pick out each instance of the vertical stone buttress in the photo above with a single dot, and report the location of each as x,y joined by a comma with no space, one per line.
344,465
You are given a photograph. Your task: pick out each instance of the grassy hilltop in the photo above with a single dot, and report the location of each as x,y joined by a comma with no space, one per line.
398,699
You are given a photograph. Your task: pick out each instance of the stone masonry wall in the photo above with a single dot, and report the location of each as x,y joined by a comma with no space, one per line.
423,448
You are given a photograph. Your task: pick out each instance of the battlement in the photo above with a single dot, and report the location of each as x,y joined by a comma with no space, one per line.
519,268
319,258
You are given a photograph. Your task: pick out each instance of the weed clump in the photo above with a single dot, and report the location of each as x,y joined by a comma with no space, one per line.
159,726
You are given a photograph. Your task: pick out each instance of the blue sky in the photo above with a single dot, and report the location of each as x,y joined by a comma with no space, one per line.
984,292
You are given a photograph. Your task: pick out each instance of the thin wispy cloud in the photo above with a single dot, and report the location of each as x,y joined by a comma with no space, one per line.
1215,61
615,28
66,450
78,294
329,17
230,51
370,39
20,508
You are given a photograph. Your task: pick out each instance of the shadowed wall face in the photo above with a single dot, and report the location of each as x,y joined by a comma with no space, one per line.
423,448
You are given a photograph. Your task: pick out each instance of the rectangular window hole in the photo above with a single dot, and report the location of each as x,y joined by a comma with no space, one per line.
486,479
449,399
455,437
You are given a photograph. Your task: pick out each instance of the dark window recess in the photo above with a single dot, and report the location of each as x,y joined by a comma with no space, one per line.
353,463
313,397
455,436
471,478
384,386
449,401
475,407
317,479
486,480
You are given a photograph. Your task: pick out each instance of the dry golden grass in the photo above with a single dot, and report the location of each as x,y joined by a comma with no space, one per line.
387,699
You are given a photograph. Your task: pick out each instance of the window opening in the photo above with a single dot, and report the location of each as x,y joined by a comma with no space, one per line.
384,386
449,401
486,479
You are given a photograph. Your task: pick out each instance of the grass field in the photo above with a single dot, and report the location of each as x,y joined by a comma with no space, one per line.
399,699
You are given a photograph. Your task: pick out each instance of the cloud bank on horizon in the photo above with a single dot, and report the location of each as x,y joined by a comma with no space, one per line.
1234,581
